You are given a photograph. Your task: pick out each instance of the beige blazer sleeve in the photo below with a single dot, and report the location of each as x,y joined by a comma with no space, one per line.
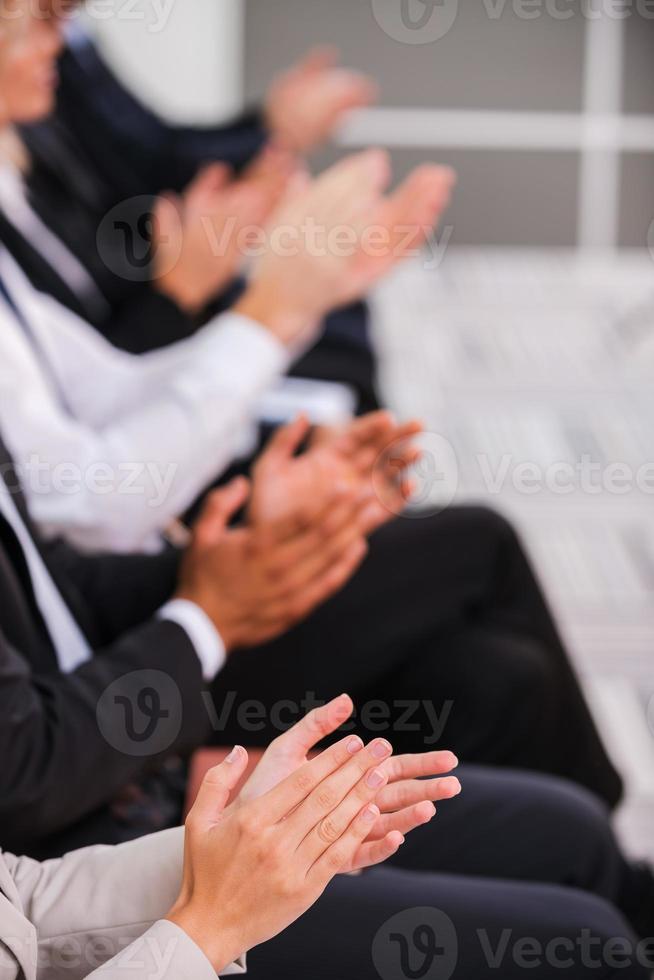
98,912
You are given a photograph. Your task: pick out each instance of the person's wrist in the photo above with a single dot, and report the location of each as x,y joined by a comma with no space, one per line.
207,934
180,290
220,621
283,319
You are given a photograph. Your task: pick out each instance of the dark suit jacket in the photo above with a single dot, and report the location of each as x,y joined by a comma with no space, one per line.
64,754
102,150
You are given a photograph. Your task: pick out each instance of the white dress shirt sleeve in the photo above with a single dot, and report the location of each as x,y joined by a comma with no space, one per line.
204,636
140,436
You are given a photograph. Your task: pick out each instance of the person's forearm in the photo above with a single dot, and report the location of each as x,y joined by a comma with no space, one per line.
118,926
159,429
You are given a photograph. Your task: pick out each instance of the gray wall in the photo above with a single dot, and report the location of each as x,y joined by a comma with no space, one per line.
492,59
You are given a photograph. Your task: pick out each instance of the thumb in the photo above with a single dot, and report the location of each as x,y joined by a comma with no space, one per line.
317,725
211,177
220,507
166,220
286,441
216,788
319,59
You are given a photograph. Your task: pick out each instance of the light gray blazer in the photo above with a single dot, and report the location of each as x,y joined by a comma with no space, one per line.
98,913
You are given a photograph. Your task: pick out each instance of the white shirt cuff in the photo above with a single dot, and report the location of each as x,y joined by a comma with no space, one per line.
202,633
260,353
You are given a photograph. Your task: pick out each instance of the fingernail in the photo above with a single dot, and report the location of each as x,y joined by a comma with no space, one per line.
234,754
375,779
354,745
381,749
370,814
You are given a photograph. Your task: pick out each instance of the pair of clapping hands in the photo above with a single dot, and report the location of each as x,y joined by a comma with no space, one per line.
202,237
253,868
200,234
307,521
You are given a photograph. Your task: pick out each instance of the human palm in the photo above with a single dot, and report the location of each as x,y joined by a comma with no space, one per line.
406,802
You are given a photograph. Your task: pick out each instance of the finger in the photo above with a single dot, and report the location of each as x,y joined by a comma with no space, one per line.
334,824
351,185
416,205
328,584
216,788
439,762
287,795
376,852
303,530
166,218
316,725
331,791
285,442
306,529
374,427
340,856
319,58
321,559
408,216
349,90
379,513
404,821
208,182
286,615
220,507
398,796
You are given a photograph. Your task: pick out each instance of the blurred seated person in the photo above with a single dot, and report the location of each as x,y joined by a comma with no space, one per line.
96,171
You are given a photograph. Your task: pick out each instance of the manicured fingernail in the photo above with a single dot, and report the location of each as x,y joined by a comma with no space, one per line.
370,814
354,745
375,779
381,749
234,754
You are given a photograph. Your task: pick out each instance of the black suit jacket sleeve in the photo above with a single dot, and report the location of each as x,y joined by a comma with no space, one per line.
57,764
136,151
111,594
147,320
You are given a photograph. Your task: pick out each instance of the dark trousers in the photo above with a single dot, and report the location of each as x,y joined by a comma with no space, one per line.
444,639
519,876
